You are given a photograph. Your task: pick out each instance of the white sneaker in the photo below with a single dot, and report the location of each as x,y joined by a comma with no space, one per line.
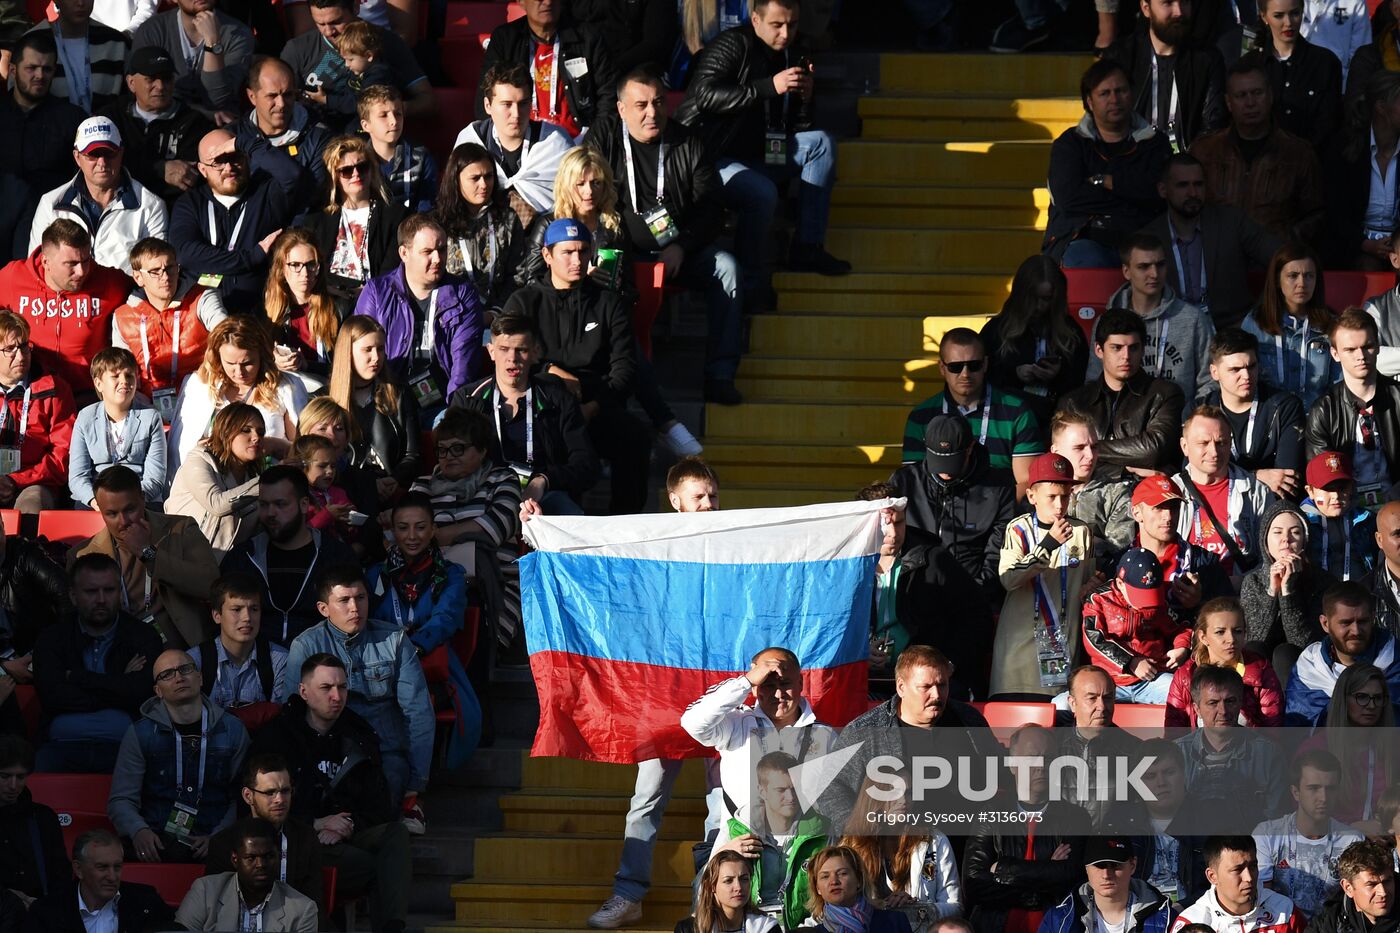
617,911
679,441
414,821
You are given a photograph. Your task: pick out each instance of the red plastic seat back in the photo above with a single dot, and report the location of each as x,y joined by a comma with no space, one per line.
69,527
1087,292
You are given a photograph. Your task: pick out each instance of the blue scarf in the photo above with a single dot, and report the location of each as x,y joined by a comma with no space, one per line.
853,919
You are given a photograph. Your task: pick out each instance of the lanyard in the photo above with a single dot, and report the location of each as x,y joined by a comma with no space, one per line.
282,874
1054,622
1162,347
1302,356
524,149
1180,257
126,598
1235,445
203,757
310,572
553,85
490,256
986,412
23,414
529,429
174,350
398,611
79,78
214,228
1172,107
426,343
632,172
1346,549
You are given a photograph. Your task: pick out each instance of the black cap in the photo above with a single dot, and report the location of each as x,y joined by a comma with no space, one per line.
1100,849
151,61
946,441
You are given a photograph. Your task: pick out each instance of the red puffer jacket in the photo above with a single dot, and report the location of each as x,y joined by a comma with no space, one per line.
1115,634
1263,696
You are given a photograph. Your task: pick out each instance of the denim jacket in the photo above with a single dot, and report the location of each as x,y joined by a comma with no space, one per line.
387,686
1321,372
143,781
143,450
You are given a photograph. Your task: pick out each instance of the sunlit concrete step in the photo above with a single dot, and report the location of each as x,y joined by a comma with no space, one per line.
768,384
865,205
557,906
568,814
966,118
992,164
923,282
753,464
830,336
815,422
576,859
591,777
983,75
808,378
914,250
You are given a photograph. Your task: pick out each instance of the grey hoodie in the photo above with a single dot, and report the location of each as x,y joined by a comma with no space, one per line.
1272,620
1185,358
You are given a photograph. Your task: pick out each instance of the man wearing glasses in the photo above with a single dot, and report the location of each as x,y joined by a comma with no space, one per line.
172,787
1360,415
267,791
36,423
116,209
1005,427
223,230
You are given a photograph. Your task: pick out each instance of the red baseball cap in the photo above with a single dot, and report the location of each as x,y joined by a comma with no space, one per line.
1156,491
1329,467
1051,468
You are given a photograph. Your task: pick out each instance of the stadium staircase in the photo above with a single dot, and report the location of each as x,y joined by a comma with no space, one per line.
939,199
942,196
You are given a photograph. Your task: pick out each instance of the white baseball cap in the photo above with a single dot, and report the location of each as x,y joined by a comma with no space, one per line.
97,133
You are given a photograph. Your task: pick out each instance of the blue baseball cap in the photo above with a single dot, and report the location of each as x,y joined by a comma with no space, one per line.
566,230
1141,575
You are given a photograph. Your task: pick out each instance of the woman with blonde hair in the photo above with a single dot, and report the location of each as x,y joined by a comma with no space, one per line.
1219,639
384,437
724,900
356,234
239,366
304,315
841,897
217,485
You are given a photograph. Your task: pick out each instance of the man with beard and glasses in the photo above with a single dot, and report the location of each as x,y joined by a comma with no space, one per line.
287,555
1179,89
1210,247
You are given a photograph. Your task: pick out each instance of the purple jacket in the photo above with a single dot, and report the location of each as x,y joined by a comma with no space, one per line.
456,330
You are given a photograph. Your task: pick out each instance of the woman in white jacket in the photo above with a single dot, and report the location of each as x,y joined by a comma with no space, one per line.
914,874
239,366
724,900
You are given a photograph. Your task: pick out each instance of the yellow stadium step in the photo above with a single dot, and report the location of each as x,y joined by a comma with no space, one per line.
913,249
786,378
983,75
828,423
966,118
733,451
960,282
567,814
777,494
830,336
558,906
896,206
846,479
992,163
591,777
576,859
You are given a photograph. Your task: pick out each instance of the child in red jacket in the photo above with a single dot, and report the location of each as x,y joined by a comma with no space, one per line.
1131,632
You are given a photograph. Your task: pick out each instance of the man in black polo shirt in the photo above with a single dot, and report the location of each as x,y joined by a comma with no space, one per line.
676,226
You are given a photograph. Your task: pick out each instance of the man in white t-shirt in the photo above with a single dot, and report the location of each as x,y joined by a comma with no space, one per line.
1298,853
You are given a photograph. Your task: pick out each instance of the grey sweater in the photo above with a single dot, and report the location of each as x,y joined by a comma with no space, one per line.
1273,620
206,91
1178,342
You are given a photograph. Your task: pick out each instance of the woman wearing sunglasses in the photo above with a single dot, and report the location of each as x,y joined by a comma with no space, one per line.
357,232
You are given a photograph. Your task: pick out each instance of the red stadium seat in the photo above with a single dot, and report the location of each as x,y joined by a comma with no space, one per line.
1144,720
171,881
28,699
1005,717
650,279
1346,288
1087,292
455,109
329,876
10,517
462,57
69,527
474,17
79,800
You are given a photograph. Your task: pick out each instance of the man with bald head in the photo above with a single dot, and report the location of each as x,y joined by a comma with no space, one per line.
1384,580
272,90
223,230
172,787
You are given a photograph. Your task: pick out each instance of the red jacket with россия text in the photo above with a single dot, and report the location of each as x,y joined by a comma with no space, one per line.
1115,633
67,328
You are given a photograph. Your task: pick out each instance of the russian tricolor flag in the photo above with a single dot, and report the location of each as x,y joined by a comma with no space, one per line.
628,619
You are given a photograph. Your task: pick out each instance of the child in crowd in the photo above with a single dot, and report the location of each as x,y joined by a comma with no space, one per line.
329,503
1341,535
358,43
1046,560
117,429
409,169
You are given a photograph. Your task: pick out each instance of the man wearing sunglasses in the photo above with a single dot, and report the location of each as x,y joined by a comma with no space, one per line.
1349,636
1004,425
1359,416
172,787
222,230
277,117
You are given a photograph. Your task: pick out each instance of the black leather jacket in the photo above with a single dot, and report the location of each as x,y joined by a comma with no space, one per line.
1018,882
394,441
731,98
33,592
590,95
1141,430
382,236
1332,421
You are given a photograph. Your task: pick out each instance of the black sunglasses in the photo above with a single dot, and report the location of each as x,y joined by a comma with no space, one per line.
356,168
972,366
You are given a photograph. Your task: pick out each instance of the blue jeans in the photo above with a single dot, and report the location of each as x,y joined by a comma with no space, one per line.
717,274
558,502
656,777
1036,13
83,743
1144,691
1088,254
750,190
